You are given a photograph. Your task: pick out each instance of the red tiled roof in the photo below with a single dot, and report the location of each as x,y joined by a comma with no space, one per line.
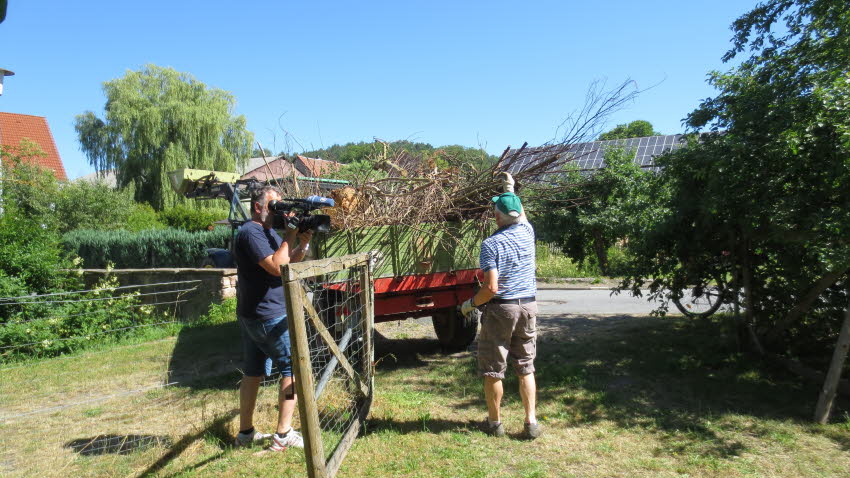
280,168
315,167
15,127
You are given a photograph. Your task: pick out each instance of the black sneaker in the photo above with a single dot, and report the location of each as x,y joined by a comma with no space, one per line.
531,431
497,430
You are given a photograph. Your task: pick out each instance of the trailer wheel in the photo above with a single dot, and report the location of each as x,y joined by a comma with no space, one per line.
454,330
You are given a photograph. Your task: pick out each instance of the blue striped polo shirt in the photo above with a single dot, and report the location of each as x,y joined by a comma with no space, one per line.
510,250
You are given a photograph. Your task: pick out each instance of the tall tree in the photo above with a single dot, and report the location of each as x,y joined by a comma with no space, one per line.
158,120
768,194
635,129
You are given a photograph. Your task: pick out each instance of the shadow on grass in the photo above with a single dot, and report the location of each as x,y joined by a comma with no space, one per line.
407,353
207,357
216,431
381,425
210,357
675,377
680,379
116,444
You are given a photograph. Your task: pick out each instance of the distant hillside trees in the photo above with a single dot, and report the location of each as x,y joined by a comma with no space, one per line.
361,157
157,120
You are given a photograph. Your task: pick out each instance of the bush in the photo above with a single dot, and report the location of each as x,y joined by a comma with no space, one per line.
144,249
85,205
219,313
30,253
189,219
142,218
44,328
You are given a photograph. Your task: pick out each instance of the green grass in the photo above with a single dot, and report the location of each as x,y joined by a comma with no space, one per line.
618,396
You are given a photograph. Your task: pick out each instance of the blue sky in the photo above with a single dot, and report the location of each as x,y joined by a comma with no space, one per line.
472,73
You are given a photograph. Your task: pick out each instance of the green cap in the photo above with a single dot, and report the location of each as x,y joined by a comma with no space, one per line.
508,203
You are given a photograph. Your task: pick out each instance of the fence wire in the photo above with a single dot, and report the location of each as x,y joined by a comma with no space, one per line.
55,332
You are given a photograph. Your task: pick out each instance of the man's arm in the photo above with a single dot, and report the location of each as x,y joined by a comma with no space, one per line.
281,256
488,289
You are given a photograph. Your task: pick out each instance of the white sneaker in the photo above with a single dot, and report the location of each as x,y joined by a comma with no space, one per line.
248,439
291,439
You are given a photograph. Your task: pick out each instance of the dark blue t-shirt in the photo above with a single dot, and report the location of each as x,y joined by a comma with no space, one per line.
260,293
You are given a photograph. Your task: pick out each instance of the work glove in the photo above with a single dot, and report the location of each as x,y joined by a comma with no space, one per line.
467,307
507,182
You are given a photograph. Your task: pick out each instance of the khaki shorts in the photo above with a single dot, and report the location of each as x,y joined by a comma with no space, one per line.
508,333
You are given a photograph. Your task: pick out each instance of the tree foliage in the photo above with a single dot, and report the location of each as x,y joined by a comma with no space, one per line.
635,129
610,205
764,200
26,187
157,120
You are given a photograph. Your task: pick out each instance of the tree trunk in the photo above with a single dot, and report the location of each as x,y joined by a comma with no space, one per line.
601,252
830,385
749,300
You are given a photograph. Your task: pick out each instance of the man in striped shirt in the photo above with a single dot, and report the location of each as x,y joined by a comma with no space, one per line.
509,320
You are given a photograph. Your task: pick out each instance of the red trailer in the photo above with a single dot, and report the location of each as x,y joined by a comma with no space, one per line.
419,272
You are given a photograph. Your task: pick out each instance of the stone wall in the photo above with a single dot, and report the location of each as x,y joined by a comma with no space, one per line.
213,286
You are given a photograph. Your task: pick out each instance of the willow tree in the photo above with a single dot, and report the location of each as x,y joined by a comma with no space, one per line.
158,120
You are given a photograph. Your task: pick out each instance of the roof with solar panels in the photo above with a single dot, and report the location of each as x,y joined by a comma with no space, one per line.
591,156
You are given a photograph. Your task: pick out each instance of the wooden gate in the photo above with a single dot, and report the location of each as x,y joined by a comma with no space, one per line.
331,319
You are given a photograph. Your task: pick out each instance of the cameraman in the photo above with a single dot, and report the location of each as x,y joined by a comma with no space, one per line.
261,310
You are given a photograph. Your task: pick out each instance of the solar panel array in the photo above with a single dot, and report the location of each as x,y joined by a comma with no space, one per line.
591,156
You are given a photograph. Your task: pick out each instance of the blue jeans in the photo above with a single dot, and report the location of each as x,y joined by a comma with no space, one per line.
264,342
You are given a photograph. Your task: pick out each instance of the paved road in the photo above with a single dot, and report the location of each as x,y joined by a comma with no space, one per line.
601,302
595,302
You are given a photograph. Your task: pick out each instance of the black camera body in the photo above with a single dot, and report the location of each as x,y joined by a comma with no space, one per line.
302,219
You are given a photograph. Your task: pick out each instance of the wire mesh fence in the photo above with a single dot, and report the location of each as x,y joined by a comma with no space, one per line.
54,347
48,325
130,384
331,322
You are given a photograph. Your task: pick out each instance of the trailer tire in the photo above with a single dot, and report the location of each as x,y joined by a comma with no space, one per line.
454,330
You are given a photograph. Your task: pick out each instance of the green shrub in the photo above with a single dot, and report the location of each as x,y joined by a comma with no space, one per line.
219,313
142,218
189,219
85,205
44,328
144,249
30,253
554,264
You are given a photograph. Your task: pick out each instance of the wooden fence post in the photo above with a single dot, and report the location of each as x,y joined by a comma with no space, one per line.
830,385
302,369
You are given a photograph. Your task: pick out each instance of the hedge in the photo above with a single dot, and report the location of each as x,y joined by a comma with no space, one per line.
143,249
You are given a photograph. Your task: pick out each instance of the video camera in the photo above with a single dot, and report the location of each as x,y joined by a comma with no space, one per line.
302,220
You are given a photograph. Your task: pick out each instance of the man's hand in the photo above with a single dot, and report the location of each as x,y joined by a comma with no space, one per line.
305,237
467,307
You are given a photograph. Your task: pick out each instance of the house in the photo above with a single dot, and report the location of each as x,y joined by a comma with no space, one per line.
315,173
16,127
107,177
282,167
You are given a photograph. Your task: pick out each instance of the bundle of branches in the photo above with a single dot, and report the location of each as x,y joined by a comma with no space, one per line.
403,189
